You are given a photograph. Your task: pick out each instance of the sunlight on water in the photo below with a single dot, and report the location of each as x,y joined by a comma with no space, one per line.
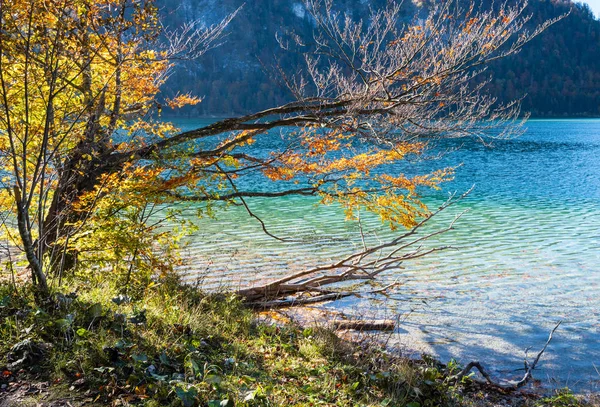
529,255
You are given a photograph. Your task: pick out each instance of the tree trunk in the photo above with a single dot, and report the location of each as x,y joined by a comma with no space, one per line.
80,176
37,271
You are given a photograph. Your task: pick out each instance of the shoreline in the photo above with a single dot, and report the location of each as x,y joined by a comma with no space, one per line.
379,333
144,355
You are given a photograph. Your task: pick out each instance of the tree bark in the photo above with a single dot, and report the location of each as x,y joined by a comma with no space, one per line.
80,176
37,271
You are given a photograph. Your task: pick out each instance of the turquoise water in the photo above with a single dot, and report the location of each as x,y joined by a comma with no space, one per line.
529,255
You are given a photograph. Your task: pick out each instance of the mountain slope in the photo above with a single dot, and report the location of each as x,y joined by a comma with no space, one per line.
559,72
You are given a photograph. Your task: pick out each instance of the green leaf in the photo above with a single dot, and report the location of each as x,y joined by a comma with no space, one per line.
213,379
96,310
123,344
248,379
82,332
413,404
195,367
4,301
138,317
104,369
159,378
177,377
121,299
62,323
164,359
187,397
141,357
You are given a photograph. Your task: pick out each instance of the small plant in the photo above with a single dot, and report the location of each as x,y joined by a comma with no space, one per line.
562,398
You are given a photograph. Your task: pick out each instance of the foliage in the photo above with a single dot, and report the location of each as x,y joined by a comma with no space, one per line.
191,348
78,80
562,398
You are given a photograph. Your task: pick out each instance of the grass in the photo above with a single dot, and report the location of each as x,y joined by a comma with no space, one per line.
176,346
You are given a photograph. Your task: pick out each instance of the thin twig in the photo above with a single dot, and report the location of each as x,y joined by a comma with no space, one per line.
511,385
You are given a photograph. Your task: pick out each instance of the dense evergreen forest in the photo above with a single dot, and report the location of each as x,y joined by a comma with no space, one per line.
558,73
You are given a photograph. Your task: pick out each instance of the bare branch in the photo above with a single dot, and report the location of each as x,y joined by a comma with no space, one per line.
512,385
357,266
194,39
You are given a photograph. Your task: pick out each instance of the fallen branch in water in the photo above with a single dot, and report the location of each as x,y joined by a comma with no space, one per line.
365,264
511,385
316,299
364,325
297,301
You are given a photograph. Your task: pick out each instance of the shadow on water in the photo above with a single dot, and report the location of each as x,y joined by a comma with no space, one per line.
500,345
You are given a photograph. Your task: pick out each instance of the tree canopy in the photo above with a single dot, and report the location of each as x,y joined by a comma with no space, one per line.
88,166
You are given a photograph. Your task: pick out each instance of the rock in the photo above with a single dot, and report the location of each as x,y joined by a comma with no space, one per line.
79,382
26,353
121,299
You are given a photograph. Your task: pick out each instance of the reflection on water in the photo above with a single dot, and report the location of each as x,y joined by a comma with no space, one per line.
529,255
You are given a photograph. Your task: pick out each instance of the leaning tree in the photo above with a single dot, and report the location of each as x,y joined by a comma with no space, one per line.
86,162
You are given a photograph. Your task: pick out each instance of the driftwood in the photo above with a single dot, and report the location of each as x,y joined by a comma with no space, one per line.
510,385
364,325
363,265
297,301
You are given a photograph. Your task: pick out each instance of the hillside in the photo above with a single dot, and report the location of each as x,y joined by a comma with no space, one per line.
559,72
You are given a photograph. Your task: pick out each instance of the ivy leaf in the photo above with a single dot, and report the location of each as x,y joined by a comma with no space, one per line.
138,317
187,397
141,357
158,378
96,310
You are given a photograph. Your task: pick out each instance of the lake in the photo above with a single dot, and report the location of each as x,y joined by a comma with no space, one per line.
529,256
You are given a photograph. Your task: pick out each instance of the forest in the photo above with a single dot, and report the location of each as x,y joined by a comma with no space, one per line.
557,74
